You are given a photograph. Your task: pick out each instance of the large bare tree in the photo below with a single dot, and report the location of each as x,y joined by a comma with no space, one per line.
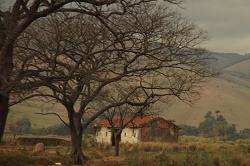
17,15
148,54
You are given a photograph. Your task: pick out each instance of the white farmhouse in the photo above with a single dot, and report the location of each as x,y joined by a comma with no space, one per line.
142,129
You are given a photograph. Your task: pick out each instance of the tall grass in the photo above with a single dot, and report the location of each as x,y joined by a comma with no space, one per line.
16,158
189,151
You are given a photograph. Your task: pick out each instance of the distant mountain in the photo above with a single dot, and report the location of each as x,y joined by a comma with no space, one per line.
237,70
240,70
229,93
224,60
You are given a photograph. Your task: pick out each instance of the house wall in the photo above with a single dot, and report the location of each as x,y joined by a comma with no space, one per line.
159,130
103,135
130,135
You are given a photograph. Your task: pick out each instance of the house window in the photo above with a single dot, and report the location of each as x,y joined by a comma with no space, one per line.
125,134
134,134
106,134
96,133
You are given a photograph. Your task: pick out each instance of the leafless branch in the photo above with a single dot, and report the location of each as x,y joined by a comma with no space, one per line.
53,113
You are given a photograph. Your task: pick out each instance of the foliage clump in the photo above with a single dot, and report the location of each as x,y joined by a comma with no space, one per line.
215,127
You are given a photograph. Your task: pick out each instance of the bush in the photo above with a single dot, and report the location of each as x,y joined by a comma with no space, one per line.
216,161
236,161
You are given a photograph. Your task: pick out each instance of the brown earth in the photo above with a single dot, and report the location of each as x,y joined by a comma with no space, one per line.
104,160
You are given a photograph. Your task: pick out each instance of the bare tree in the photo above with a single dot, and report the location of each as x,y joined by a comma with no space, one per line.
21,13
130,90
148,54
129,100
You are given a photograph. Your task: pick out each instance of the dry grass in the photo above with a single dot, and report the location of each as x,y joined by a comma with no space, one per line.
188,152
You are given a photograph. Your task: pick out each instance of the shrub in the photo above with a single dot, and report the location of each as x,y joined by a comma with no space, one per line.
192,147
216,161
236,161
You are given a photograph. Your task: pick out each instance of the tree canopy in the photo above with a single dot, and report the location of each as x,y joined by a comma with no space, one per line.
17,15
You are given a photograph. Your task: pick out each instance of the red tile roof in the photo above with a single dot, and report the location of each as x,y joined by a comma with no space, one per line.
137,122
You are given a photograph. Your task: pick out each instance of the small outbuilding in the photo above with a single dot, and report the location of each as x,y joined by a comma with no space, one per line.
141,129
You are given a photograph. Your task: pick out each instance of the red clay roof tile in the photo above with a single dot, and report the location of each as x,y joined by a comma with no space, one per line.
137,122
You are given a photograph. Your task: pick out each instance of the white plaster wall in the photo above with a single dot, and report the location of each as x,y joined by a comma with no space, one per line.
128,136
104,135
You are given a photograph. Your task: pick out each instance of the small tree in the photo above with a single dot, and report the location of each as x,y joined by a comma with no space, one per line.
119,118
207,127
20,126
245,133
217,127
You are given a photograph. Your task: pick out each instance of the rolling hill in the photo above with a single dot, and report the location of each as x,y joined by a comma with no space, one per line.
232,100
229,93
37,121
241,67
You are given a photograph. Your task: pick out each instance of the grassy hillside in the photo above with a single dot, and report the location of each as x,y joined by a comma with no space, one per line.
230,98
219,94
23,111
242,67
224,60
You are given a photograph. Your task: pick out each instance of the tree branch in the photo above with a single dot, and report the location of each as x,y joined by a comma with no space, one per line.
53,113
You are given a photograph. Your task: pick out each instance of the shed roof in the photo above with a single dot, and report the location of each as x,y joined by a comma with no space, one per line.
137,122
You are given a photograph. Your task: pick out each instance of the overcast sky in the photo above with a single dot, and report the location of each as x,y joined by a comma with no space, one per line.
226,21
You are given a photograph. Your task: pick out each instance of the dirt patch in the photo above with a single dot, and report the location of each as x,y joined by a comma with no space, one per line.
106,160
49,155
6,150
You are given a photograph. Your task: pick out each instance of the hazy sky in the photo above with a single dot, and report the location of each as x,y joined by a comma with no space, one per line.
226,21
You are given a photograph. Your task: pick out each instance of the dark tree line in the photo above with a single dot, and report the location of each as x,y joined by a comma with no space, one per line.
24,126
215,126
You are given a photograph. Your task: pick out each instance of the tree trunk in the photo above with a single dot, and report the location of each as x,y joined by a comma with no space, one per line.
6,68
117,144
76,151
76,131
4,110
